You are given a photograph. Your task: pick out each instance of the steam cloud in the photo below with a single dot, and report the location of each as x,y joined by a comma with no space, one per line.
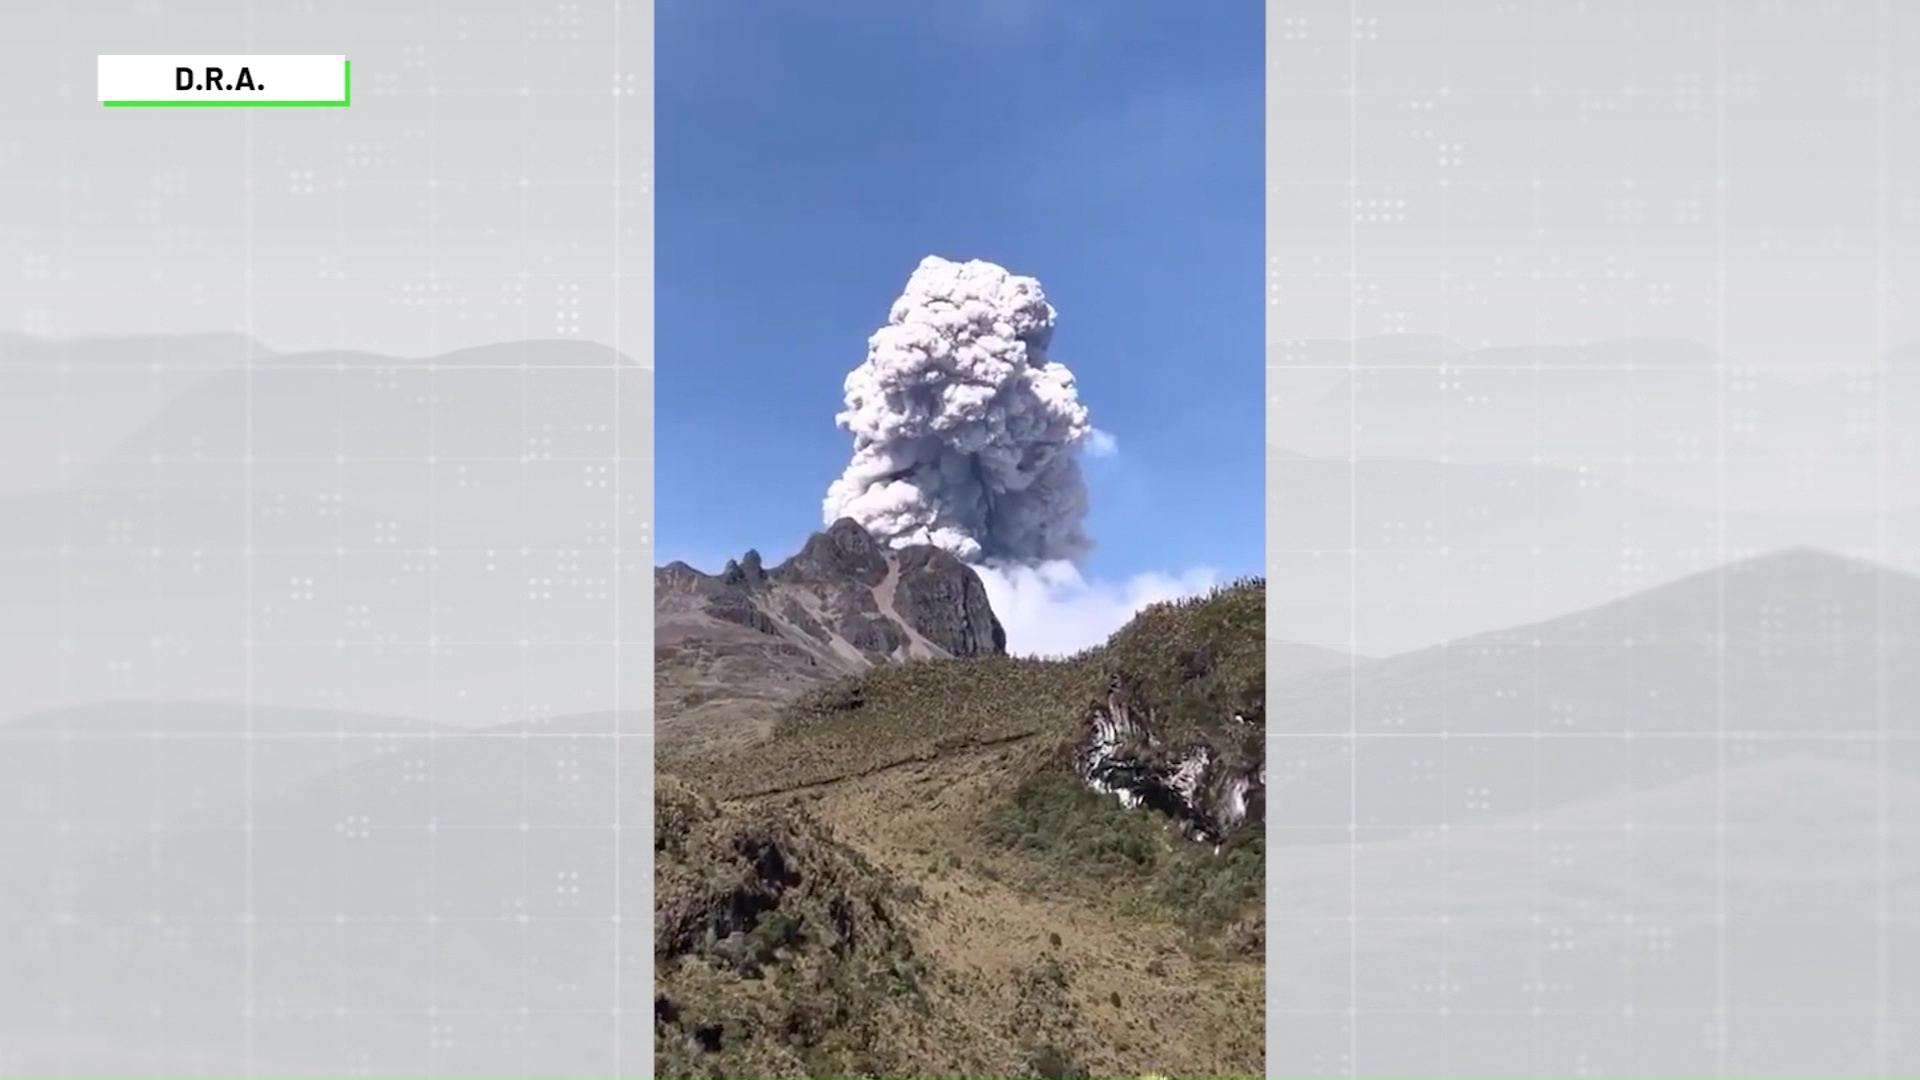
965,435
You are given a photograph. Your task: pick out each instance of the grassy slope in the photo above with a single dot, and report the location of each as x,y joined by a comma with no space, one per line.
1019,925
1194,661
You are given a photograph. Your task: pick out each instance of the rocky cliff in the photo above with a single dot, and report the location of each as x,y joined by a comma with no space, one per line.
750,636
1191,781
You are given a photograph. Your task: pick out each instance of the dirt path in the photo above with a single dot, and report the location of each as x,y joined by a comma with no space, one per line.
953,758
1142,1004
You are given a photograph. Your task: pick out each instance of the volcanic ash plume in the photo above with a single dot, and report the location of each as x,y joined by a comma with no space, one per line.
964,434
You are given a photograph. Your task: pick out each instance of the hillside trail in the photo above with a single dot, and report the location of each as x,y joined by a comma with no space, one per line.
1137,1000
993,749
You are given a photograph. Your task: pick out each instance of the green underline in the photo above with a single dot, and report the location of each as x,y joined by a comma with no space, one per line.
341,104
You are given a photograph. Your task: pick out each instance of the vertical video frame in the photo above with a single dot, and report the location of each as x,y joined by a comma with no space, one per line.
960,654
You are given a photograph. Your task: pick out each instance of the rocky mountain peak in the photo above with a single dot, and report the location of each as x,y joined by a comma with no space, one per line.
946,600
842,604
677,577
846,551
745,571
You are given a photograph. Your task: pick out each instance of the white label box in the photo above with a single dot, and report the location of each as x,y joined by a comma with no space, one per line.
217,81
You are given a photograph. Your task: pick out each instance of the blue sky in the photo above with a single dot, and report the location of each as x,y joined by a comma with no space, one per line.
809,155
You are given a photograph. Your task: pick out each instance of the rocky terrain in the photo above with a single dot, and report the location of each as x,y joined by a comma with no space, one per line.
731,647
887,848
1121,755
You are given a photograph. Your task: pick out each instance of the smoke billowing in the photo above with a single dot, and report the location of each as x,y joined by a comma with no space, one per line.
965,435
1054,610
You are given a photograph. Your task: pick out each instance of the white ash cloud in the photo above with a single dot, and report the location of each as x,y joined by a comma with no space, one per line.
966,435
1052,610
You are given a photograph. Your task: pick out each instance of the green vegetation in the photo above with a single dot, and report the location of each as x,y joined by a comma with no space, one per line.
1046,1023
909,879
779,952
1195,661
1076,839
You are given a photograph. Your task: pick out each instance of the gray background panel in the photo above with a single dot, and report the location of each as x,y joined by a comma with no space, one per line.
325,549
1593,382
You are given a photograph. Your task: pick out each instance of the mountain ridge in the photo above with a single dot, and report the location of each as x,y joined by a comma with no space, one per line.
749,638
